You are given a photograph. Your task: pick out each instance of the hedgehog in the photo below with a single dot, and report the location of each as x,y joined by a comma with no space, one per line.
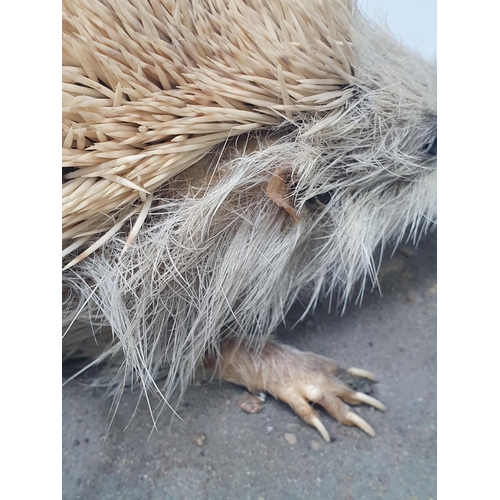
223,159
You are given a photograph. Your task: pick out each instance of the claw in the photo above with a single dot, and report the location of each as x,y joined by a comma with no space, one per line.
358,372
355,419
321,428
369,400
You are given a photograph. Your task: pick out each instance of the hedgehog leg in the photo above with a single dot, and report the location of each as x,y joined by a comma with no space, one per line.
298,378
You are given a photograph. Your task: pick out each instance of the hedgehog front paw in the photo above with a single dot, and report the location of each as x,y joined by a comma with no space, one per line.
300,378
322,388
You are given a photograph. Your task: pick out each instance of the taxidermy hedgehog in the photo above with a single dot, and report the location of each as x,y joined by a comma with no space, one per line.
222,159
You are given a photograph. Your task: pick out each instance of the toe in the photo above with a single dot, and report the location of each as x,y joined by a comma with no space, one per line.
304,410
334,405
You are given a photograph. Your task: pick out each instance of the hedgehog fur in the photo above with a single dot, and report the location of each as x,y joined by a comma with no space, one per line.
180,118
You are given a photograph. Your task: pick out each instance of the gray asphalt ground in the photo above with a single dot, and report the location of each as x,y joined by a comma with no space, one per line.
220,452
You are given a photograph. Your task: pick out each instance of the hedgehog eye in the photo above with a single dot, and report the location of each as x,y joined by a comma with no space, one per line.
321,199
432,148
324,198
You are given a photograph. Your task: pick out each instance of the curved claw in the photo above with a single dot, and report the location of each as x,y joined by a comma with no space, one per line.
369,400
355,419
358,372
321,428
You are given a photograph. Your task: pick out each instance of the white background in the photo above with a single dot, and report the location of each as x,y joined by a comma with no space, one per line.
413,21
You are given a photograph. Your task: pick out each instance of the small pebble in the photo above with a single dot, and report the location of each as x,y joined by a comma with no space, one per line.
198,439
